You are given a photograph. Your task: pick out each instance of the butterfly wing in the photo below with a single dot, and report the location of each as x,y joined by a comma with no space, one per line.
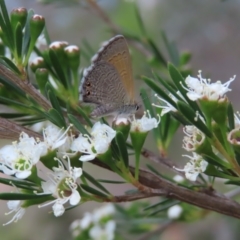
102,85
116,52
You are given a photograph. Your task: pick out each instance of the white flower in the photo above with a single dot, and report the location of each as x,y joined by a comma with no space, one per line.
101,130
98,224
196,165
54,138
193,138
145,124
168,107
20,157
203,88
62,185
65,149
98,143
58,208
75,228
15,206
86,221
105,211
174,212
178,178
98,232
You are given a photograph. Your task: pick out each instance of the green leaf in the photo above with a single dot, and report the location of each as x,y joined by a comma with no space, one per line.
216,161
95,182
46,35
233,182
159,91
18,183
76,123
18,39
54,116
156,52
93,191
230,112
54,101
169,86
191,115
185,58
27,36
122,148
110,181
83,114
5,24
212,171
9,64
58,68
140,21
154,170
146,101
162,202
172,50
8,101
164,207
179,83
21,196
13,115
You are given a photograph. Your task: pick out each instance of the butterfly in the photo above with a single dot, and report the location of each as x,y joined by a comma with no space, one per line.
108,82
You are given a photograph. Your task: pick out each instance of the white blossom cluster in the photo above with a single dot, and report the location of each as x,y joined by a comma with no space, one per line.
99,224
19,158
197,89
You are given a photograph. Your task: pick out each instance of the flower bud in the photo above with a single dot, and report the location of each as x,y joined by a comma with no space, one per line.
58,47
38,62
73,56
122,125
41,78
234,139
37,24
18,15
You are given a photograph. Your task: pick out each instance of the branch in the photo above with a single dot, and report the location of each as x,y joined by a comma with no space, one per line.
26,86
11,130
156,186
166,162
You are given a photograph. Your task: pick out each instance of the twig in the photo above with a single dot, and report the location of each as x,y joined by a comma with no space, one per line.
161,187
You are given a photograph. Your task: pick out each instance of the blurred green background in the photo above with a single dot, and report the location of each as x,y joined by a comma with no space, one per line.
210,30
